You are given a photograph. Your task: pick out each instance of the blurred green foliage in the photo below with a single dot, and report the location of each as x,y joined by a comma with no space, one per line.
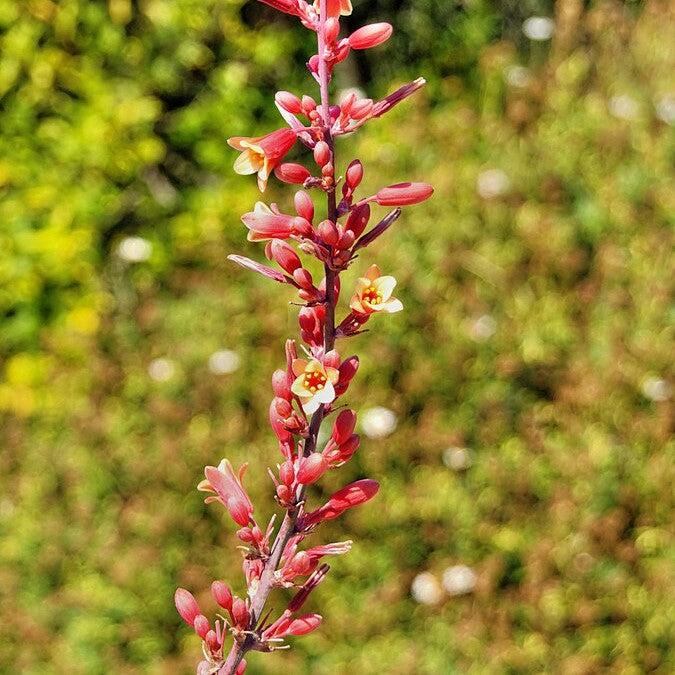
537,333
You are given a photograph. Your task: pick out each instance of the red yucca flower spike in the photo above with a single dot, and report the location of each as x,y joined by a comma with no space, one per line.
309,386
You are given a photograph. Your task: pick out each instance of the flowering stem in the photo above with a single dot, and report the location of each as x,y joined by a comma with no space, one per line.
287,529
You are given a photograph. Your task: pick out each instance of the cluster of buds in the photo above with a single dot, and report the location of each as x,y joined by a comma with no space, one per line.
307,389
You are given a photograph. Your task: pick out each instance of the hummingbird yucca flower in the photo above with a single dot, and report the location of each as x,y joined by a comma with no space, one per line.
309,386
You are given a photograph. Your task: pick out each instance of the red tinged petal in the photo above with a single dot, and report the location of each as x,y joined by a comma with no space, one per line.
284,256
186,605
241,668
222,594
404,194
349,496
357,221
230,491
347,371
370,36
240,613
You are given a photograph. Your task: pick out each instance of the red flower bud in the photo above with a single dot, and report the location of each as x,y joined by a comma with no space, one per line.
287,473
292,173
361,109
240,613
222,594
357,221
343,426
303,278
349,496
346,241
201,625
347,370
371,35
280,385
301,227
354,174
303,625
308,104
284,256
212,641
404,194
348,448
311,468
321,153
328,232
186,605
289,102
304,206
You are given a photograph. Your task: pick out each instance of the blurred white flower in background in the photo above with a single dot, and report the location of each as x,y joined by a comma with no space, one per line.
538,28
134,249
459,580
378,422
623,106
483,328
224,362
425,589
656,389
161,370
457,459
517,76
492,183
665,108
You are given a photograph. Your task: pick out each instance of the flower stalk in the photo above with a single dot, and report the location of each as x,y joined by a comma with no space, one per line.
306,390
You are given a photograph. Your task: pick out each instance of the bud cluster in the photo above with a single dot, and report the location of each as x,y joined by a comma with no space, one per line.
307,388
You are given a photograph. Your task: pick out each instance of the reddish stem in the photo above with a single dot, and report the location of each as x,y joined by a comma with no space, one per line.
287,528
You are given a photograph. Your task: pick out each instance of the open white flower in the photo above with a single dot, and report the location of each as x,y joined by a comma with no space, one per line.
313,384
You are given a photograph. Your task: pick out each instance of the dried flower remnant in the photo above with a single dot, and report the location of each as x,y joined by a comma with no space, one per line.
314,378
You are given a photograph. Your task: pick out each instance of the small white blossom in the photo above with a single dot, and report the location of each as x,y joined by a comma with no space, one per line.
459,580
378,422
224,362
134,249
538,28
426,589
517,76
161,370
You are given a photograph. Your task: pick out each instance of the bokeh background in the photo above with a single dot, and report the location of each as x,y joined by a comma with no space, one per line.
517,413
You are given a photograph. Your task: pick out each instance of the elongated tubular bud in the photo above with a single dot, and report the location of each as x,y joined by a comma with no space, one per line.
311,468
349,447
289,102
349,496
222,594
347,371
371,35
312,582
379,229
361,109
304,206
280,385
387,103
284,256
354,174
286,6
357,220
308,104
404,194
201,626
258,267
277,424
186,605
240,613
303,278
321,153
287,473
343,427
292,173
328,232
